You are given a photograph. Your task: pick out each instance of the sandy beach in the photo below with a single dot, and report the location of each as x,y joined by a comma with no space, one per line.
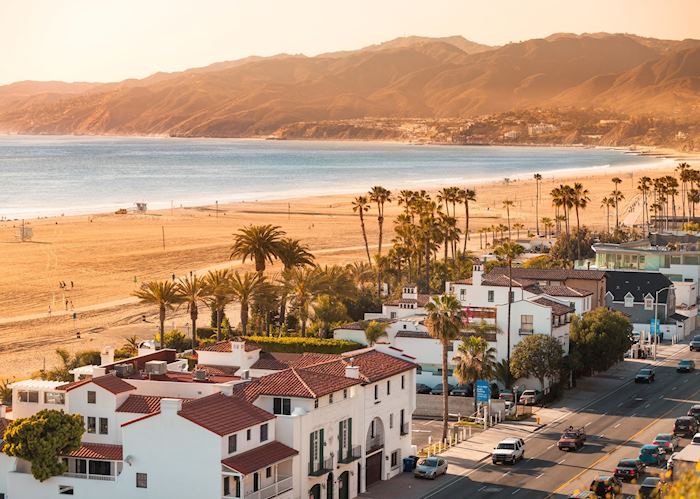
103,258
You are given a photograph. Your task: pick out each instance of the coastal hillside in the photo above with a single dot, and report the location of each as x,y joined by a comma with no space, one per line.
410,77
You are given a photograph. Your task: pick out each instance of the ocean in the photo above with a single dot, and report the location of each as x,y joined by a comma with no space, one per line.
48,176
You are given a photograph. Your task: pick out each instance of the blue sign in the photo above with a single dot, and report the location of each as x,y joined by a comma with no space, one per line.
483,391
655,326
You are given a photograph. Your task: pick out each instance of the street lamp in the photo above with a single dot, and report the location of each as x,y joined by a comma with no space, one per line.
656,316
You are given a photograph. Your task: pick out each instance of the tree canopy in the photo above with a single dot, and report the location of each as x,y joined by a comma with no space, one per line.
538,356
599,339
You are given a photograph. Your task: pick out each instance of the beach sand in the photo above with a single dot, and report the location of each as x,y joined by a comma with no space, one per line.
107,256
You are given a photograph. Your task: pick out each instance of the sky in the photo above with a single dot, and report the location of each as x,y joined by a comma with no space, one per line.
107,40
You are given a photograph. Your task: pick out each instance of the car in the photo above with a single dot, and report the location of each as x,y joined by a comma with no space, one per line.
437,389
649,455
695,412
509,450
430,467
666,442
584,494
650,487
629,469
685,426
696,439
695,343
645,376
686,366
530,397
421,388
572,439
606,486
463,391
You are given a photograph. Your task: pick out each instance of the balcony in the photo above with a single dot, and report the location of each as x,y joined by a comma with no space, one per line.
277,488
318,469
353,454
404,429
526,331
91,476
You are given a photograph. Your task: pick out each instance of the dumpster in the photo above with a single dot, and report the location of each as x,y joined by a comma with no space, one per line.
409,464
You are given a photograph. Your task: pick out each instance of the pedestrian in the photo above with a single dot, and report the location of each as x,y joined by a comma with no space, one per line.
66,302
71,285
49,310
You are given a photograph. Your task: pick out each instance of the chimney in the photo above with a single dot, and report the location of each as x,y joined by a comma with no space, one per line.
98,371
226,390
107,355
477,272
170,406
352,372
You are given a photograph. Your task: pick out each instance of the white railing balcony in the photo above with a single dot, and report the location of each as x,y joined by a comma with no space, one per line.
88,476
277,488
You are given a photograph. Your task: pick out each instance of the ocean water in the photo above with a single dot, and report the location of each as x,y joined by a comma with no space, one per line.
44,176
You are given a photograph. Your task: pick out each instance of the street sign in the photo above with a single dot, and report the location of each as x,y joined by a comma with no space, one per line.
483,392
655,326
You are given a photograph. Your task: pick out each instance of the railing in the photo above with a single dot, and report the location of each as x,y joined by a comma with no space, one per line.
355,453
108,478
524,332
404,429
277,488
318,469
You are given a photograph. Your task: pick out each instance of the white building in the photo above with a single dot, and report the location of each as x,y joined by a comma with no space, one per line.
310,425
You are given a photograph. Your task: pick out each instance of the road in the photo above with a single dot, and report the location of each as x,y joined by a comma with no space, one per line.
617,424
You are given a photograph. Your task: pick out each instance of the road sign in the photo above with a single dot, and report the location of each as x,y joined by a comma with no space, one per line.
655,326
483,392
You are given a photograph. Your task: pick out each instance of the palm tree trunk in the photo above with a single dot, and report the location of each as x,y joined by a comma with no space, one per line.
364,236
193,315
427,265
466,224
445,392
219,311
244,318
161,317
578,235
537,207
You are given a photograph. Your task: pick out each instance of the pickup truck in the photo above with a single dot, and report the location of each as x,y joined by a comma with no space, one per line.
572,439
509,450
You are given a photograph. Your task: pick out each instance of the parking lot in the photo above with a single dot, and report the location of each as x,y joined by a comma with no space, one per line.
425,430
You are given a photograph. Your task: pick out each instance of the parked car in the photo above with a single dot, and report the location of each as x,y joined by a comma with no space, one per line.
667,442
430,467
649,455
695,412
421,388
685,426
629,469
437,389
696,439
606,486
584,494
509,450
686,366
645,376
463,391
650,487
572,439
695,343
531,397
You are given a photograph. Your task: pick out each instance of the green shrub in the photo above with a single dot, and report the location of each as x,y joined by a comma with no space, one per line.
300,345
175,339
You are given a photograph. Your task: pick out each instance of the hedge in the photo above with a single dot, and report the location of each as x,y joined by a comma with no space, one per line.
293,344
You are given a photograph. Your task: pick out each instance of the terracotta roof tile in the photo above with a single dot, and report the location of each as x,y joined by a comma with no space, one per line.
225,346
109,382
565,291
259,458
223,415
295,382
557,308
143,404
548,274
98,451
213,370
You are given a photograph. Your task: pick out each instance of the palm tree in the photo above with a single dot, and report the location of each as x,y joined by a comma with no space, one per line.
616,196
507,204
581,199
518,227
644,186
605,203
380,196
192,290
466,195
303,285
375,330
218,294
475,360
164,295
292,253
538,180
685,175
547,223
509,251
260,243
501,372
444,322
244,289
361,206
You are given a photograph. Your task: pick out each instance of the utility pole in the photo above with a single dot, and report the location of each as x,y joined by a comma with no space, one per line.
162,228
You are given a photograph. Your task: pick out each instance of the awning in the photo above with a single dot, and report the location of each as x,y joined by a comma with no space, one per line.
260,457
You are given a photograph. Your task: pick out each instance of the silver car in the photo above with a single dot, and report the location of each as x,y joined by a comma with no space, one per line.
695,343
430,467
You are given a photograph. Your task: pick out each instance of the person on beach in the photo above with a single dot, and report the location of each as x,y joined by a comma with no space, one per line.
49,310
71,285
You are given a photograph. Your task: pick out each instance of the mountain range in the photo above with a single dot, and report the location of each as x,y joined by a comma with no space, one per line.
410,77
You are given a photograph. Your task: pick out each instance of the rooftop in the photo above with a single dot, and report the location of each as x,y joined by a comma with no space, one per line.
639,284
109,382
144,404
98,451
295,382
557,308
225,346
259,458
223,415
37,384
550,274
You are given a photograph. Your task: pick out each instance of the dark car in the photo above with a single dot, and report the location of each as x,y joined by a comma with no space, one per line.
650,455
685,426
437,389
421,388
695,343
667,442
645,376
695,412
606,486
463,391
629,469
651,487
686,366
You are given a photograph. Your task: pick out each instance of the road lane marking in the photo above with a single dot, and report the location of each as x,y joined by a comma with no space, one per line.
482,488
587,424
538,476
661,396
560,462
620,404
515,492
506,473
673,388
617,425
647,406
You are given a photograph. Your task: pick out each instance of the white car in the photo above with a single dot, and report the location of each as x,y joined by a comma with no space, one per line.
696,439
530,397
509,450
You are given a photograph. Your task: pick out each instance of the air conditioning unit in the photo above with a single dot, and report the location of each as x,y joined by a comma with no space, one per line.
156,367
200,375
123,370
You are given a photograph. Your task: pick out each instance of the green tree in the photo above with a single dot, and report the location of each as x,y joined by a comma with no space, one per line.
360,205
600,338
328,311
161,293
174,339
192,290
444,322
218,294
617,196
375,330
501,372
260,243
539,356
303,285
474,360
245,288
380,196
42,439
69,362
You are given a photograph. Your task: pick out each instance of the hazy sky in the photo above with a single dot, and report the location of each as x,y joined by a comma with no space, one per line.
108,40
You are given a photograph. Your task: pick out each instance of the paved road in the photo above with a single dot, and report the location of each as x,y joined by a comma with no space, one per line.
618,423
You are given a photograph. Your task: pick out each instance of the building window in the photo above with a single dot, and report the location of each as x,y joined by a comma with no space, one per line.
395,459
629,300
103,468
104,426
372,429
316,444
91,397
28,396
490,297
376,392
330,398
91,423
345,393
526,323
141,480
391,421
419,370
268,472
282,406
232,443
315,403
462,294
248,434
403,382
54,398
392,315
65,490
388,387
344,436
263,432
648,303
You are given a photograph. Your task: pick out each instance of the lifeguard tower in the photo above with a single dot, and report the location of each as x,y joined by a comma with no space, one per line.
141,207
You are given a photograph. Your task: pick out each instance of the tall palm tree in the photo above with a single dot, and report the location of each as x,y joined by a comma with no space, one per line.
380,196
292,253
508,252
547,223
581,199
644,186
374,330
218,294
616,196
684,174
474,360
303,285
538,180
605,203
360,205
164,295
192,290
260,243
444,322
244,289
507,205
518,227
466,195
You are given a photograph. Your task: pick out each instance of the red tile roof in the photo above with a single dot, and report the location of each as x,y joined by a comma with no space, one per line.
259,458
294,382
98,451
139,361
109,382
550,274
565,291
143,404
280,361
213,370
557,308
225,346
222,415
